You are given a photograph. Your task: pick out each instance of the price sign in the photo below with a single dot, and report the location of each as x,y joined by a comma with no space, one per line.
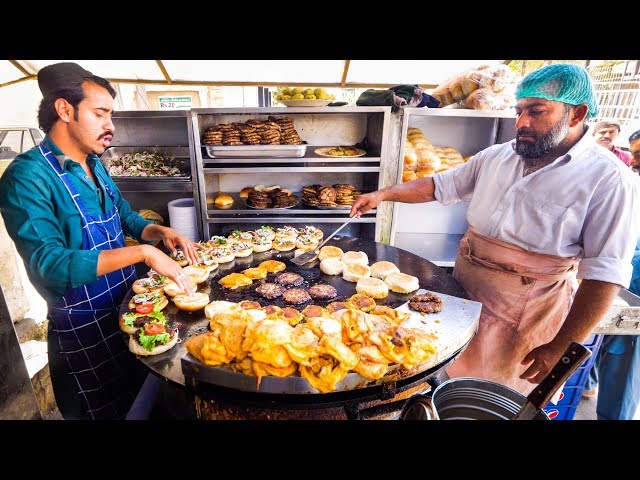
175,103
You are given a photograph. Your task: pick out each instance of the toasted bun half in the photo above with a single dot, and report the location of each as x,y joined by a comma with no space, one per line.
330,251
172,289
382,269
244,193
373,287
332,266
402,283
355,257
191,303
198,275
160,304
355,271
138,349
262,247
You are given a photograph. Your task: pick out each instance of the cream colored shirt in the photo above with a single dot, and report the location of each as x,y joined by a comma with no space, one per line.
584,205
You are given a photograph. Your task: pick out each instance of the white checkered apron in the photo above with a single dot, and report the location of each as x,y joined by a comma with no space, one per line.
93,373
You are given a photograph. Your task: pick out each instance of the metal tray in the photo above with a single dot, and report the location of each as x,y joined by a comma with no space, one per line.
180,154
217,151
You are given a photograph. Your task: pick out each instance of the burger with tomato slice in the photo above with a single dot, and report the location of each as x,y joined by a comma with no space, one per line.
132,321
146,302
152,339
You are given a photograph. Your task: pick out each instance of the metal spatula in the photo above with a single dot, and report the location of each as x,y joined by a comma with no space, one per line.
310,256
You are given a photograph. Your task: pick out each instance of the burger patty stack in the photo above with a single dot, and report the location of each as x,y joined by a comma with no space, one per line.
271,197
288,134
274,131
337,195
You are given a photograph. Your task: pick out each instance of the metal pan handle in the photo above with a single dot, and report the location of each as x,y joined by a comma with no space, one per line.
419,407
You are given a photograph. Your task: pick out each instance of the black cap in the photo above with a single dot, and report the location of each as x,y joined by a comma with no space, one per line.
58,75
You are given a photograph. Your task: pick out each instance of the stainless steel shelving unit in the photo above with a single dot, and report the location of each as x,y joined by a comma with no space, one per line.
432,230
318,127
166,133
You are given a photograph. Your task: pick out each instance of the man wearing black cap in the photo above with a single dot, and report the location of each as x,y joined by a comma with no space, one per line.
68,220
605,133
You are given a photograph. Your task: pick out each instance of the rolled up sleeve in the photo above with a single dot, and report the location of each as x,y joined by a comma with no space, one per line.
459,183
30,218
610,233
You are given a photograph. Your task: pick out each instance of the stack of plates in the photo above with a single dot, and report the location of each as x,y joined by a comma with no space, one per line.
182,217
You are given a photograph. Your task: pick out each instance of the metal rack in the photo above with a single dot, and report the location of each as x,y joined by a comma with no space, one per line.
318,127
432,230
163,132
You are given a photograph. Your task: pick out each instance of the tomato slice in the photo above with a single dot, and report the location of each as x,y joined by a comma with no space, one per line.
153,328
144,308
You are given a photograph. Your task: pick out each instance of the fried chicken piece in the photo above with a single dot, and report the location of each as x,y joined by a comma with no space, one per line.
325,326
244,366
395,316
211,350
232,333
264,340
337,306
369,352
371,370
354,326
291,315
264,369
303,345
249,305
272,311
324,373
332,345
363,302
311,311
407,346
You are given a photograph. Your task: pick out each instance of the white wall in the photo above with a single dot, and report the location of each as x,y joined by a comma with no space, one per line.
19,103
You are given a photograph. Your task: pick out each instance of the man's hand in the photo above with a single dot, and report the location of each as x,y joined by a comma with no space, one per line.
544,359
173,239
366,202
165,265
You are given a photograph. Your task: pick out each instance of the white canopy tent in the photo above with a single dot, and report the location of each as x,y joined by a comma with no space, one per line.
312,73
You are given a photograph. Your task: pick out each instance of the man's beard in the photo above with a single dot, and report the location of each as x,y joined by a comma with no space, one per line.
545,144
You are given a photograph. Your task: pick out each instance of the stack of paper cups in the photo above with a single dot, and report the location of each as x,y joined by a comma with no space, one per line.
182,217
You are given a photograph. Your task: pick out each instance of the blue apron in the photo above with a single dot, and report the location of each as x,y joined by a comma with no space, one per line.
94,375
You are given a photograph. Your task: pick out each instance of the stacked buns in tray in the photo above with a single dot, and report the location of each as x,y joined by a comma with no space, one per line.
422,159
274,131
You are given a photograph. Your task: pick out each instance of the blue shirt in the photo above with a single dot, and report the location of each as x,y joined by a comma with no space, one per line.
44,223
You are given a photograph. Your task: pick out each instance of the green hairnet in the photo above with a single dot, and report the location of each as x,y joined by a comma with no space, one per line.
560,82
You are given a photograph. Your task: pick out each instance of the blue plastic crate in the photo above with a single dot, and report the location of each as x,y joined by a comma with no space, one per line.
561,412
570,396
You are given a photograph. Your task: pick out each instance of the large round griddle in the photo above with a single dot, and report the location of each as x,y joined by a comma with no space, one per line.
173,364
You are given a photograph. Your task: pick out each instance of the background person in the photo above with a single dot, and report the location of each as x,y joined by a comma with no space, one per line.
605,133
540,207
68,220
615,375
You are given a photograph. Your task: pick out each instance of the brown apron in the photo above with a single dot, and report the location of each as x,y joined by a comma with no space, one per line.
525,298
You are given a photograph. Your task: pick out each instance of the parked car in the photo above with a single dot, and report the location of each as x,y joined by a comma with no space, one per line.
15,140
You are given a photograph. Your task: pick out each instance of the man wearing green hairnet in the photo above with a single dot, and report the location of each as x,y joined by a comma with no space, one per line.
547,204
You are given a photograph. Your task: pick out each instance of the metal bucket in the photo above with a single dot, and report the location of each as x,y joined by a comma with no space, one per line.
467,398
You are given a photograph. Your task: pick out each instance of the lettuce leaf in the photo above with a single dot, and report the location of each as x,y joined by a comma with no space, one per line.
130,317
149,341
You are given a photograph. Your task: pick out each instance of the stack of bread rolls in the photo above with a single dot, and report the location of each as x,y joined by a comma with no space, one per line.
483,88
422,159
